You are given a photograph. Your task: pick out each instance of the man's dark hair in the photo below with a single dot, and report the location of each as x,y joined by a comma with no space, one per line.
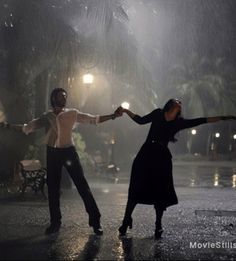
54,95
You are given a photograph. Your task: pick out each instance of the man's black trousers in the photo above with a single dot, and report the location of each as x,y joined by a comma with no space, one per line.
68,157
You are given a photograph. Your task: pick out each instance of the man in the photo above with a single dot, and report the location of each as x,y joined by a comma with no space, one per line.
58,124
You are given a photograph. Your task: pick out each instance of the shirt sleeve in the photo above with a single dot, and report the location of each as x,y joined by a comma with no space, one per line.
35,124
147,118
189,123
87,118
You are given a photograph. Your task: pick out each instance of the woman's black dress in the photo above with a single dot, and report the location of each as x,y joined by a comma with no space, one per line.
151,176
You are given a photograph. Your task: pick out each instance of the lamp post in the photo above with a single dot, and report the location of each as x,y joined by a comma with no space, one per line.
112,167
192,133
87,80
214,145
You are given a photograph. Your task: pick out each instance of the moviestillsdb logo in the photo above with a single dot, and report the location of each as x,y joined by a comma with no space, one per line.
213,245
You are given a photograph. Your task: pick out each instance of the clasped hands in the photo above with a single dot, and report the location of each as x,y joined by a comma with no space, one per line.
118,112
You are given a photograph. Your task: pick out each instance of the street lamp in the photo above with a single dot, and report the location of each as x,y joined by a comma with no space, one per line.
234,137
112,167
125,105
192,133
217,135
88,78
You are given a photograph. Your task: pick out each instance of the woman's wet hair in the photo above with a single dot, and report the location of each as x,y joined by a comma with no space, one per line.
169,104
54,96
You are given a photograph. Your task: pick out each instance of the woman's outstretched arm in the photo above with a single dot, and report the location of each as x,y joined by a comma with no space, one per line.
190,123
138,119
220,118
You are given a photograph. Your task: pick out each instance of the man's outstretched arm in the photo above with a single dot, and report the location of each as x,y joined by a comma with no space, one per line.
6,125
95,119
26,128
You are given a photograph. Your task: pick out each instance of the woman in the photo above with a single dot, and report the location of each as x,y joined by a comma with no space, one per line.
151,177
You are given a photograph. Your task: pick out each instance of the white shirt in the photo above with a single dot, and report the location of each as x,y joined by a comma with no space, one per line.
59,127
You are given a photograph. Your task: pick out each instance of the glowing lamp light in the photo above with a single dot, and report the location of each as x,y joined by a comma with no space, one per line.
234,181
216,179
194,132
217,135
88,78
125,105
234,136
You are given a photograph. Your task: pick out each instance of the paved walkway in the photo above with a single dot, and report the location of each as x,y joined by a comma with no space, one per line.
187,236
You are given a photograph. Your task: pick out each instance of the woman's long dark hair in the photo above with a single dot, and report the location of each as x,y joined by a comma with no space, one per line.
166,108
54,96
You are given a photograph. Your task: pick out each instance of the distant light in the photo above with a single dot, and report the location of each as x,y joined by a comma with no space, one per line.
194,132
216,180
192,184
217,135
88,78
125,105
234,136
234,181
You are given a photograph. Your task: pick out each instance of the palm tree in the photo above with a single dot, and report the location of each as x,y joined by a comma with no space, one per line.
205,87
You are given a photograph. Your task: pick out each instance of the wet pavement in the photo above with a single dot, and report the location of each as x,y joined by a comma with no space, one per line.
190,233
205,176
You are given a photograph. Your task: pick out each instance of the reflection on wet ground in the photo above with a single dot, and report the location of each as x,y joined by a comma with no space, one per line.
202,215
202,176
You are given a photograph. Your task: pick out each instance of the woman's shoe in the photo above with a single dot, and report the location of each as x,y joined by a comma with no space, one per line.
126,223
158,233
95,223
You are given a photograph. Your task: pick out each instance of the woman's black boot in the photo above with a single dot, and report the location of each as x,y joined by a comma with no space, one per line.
158,230
127,222
158,233
95,223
